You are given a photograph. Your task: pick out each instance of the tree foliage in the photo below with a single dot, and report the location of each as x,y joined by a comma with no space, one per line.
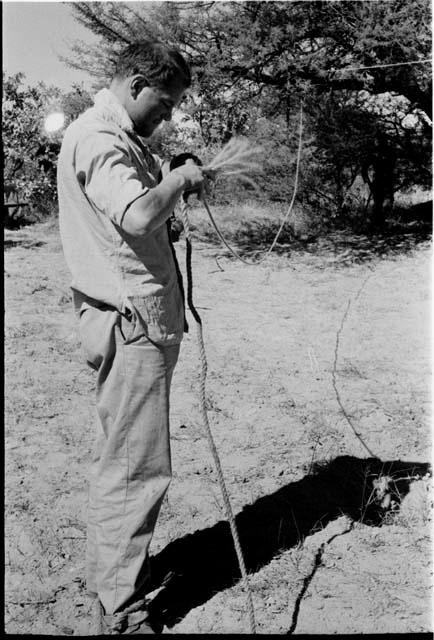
255,60
29,156
30,153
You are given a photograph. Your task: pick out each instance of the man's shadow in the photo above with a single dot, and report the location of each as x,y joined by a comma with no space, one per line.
204,562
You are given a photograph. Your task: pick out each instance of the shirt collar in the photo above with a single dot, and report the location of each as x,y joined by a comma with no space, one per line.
111,110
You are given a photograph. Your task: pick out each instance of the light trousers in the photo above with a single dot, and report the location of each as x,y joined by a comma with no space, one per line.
131,466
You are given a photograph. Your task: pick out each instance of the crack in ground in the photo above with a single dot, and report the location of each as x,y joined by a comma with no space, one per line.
308,579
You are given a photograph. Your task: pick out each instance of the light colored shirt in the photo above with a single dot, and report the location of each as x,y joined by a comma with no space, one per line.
103,168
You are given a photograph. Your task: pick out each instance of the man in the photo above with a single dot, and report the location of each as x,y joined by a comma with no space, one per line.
113,208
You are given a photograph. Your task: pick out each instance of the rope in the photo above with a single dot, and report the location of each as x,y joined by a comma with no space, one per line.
285,219
384,66
335,363
114,624
204,365
202,397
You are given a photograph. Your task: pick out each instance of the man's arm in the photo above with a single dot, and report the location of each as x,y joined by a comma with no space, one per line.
151,210
112,184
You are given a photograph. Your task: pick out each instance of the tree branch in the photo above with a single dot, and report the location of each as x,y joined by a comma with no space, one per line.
89,19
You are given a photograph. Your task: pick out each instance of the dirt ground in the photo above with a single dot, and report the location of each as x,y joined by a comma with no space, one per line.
319,398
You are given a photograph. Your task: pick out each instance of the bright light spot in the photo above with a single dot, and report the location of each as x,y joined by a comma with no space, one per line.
54,122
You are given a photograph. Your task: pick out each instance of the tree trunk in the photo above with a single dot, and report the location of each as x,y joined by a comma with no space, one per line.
381,182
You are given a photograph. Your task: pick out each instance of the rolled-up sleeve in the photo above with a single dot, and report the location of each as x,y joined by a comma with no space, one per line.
107,174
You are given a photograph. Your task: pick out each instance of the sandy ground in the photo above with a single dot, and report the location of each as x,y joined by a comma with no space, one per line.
319,398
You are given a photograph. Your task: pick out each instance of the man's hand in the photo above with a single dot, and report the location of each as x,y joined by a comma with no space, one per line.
152,210
193,176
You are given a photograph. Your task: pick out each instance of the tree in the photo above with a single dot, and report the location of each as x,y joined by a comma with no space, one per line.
282,53
262,59
30,153
75,102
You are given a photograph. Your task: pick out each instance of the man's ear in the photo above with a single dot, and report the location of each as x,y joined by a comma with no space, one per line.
138,82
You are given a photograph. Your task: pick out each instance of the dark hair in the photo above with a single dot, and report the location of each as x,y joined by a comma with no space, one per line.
159,63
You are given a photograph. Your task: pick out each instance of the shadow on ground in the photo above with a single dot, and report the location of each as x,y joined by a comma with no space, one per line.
204,562
21,238
398,238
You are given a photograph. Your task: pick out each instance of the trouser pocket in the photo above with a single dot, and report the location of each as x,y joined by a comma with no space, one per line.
97,328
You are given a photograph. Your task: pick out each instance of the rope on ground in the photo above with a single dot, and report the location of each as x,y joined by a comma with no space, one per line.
204,413
335,387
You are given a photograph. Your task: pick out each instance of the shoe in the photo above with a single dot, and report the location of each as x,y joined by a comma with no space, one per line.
133,620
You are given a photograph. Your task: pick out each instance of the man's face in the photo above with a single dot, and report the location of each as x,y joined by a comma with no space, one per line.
149,106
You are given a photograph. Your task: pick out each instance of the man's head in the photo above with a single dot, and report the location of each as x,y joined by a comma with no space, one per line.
150,79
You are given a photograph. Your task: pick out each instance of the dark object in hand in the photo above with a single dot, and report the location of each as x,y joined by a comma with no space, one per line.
178,161
175,228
